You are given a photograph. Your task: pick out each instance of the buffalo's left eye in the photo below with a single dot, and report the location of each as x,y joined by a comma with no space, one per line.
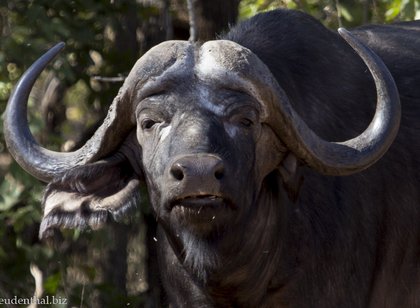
243,116
246,122
147,123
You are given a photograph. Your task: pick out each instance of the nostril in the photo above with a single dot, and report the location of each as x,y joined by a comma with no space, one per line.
219,172
193,169
177,171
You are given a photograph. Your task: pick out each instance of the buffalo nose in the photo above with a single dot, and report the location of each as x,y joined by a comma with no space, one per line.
197,167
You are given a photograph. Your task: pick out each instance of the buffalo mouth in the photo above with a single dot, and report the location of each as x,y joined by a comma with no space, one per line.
201,208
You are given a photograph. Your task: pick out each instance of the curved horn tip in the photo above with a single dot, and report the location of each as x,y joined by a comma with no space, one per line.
60,44
346,34
58,47
51,53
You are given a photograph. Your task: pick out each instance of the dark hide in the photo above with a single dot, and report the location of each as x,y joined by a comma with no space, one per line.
263,230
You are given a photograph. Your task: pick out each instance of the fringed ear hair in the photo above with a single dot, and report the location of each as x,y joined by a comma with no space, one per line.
91,195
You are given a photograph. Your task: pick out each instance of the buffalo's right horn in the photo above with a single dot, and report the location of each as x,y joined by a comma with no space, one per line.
36,160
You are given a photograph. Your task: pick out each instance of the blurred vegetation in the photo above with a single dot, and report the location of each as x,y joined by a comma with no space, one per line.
113,267
349,13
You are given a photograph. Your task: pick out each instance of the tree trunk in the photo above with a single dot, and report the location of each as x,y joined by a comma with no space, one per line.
215,17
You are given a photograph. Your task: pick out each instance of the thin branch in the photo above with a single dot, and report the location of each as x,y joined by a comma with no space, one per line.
109,79
366,9
338,8
39,289
192,20
167,20
82,296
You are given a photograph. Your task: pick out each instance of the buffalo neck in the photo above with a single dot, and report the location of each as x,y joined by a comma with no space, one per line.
251,252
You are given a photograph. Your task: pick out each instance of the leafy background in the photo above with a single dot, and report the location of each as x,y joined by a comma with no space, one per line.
116,266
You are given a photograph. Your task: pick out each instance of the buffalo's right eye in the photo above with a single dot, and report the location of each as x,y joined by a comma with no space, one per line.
147,124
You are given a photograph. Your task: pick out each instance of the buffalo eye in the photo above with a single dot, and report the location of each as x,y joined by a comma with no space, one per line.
246,122
242,121
243,115
147,123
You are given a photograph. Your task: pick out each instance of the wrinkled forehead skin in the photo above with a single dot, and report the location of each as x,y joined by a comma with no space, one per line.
220,63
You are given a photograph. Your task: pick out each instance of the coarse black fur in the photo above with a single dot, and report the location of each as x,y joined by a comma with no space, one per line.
349,241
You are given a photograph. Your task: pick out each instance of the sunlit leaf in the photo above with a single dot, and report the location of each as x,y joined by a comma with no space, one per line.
52,283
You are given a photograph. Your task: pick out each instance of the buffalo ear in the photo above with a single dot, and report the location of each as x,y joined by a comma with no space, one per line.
291,175
88,196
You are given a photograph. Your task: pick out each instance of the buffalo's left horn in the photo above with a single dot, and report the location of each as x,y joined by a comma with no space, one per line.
36,160
354,155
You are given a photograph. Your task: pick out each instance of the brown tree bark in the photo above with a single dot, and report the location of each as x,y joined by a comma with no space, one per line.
214,17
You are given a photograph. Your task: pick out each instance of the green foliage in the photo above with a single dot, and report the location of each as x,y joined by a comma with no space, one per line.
340,12
402,10
97,36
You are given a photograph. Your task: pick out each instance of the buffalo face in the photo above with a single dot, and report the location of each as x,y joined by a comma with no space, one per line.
198,154
200,140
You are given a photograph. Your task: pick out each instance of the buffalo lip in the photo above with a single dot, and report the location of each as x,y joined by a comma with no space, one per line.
198,201
202,202
201,214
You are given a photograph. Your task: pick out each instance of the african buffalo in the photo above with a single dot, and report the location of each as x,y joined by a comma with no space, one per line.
260,202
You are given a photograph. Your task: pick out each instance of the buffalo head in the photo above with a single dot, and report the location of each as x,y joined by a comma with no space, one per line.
202,127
